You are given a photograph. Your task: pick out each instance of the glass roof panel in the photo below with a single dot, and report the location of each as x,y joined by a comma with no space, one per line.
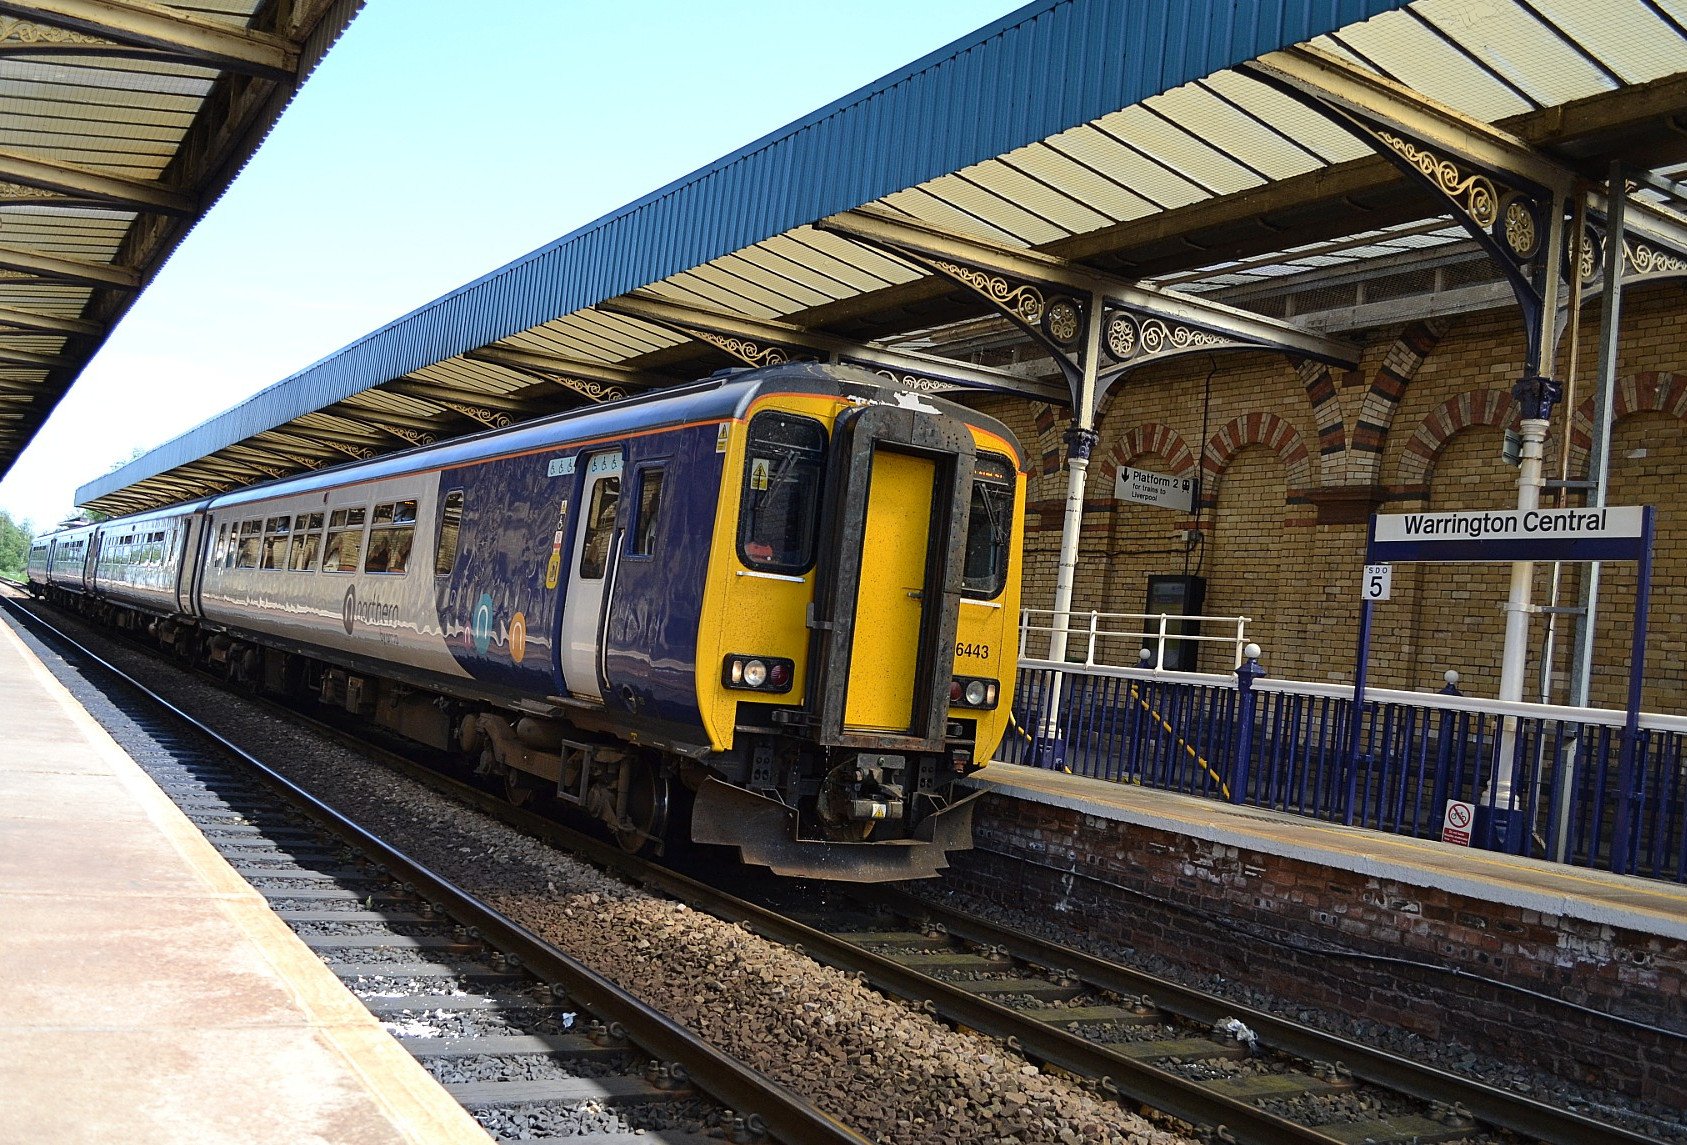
1629,39
1519,47
1424,61
1180,150
1237,134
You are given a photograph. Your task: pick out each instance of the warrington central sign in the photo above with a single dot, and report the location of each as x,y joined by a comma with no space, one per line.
1609,533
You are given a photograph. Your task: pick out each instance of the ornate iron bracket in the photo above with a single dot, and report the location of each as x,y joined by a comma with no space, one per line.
1052,318
904,378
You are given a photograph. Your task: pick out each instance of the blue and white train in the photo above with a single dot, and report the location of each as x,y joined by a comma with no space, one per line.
792,593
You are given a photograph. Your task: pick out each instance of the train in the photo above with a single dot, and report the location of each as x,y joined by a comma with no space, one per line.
778,607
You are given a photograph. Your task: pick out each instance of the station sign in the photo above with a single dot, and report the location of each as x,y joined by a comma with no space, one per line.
1141,487
1609,533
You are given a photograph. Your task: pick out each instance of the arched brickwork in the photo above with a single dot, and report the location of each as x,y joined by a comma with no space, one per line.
1473,407
1654,391
1382,399
1259,428
1151,439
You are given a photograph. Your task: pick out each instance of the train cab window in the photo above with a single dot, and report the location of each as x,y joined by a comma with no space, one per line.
600,527
277,534
307,542
781,502
392,530
649,507
989,528
450,528
251,534
345,540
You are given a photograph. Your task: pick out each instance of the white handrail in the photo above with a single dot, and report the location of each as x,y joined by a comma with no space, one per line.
1156,628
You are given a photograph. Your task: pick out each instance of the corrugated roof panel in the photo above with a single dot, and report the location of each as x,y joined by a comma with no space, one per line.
849,262
1236,134
1630,40
1056,204
1179,148
1107,195
800,293
36,78
1162,186
1515,44
691,289
1295,123
919,204
736,291
1422,59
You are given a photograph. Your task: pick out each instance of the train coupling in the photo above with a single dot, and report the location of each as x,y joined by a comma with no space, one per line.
765,831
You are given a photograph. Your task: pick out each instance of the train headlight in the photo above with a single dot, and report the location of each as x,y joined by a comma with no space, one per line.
972,692
758,673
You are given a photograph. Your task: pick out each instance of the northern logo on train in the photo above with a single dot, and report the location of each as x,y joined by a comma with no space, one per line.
348,608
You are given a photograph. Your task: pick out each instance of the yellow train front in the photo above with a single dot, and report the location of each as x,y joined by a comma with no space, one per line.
862,605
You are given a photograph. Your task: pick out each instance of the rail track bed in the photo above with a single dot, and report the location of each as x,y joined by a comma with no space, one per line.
908,1021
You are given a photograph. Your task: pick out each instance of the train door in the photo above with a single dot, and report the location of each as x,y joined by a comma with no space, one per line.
591,576
888,599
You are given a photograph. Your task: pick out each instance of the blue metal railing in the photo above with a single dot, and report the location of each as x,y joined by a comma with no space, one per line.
1544,781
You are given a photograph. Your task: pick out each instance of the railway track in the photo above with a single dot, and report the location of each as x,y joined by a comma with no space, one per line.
1148,1042
530,1040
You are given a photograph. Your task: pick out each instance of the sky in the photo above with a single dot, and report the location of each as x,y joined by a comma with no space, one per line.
438,141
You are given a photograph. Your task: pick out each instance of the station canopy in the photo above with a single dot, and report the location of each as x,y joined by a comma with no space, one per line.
1268,173
120,124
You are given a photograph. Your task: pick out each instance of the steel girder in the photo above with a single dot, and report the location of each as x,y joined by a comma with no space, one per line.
1057,302
50,268
90,187
48,323
766,342
182,37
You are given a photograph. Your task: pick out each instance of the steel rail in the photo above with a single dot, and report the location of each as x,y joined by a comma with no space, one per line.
1494,1106
787,1115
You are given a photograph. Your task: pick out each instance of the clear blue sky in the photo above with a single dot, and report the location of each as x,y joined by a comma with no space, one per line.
436,142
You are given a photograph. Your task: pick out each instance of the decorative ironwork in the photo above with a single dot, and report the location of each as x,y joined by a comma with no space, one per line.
907,381
588,389
1517,228
745,349
21,33
25,191
1646,261
1022,300
1590,254
1128,337
1473,193
413,436
1063,321
490,418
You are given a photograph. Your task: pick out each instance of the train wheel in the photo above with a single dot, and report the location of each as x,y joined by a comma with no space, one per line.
519,787
646,813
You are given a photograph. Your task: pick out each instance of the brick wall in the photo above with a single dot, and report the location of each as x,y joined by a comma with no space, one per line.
1419,424
1274,922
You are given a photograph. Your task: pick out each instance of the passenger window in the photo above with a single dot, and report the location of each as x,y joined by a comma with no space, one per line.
600,527
220,556
345,540
391,534
450,527
783,469
277,532
649,507
251,534
307,542
989,528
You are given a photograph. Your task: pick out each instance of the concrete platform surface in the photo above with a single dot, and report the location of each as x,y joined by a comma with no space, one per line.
150,993
1645,906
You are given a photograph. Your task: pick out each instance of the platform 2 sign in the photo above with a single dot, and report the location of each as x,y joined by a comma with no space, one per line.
1609,533
1141,487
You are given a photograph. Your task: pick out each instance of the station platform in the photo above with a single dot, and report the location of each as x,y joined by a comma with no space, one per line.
1641,906
150,993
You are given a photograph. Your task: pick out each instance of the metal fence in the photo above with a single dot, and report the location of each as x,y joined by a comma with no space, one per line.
1550,782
